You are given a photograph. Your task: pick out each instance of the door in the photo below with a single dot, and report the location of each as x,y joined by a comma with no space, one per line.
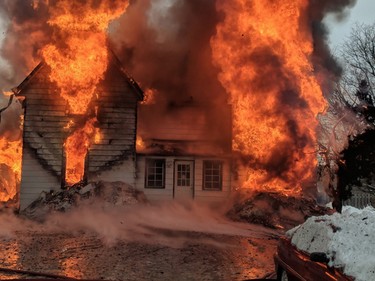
183,180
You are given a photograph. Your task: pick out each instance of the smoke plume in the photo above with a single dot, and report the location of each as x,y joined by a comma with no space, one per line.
190,52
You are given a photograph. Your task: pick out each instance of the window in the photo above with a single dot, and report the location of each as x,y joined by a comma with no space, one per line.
212,175
155,172
183,174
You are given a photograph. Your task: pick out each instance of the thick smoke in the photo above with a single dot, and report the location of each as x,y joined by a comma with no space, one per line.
323,59
165,46
163,43
26,33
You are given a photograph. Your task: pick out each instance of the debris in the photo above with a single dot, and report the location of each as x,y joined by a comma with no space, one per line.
274,210
106,193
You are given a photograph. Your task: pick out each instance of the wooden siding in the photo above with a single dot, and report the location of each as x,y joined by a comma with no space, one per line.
124,172
212,195
117,111
35,179
165,193
185,130
133,173
46,115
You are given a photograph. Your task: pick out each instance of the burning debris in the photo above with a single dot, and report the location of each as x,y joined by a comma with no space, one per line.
273,209
102,193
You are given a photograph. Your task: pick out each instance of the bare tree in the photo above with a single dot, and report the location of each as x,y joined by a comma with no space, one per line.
349,120
358,56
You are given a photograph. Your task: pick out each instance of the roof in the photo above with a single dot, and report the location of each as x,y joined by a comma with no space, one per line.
132,83
184,130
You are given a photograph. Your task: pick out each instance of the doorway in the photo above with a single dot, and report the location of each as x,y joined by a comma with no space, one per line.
183,180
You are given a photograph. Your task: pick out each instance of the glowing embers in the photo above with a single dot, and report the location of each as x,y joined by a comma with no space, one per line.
264,51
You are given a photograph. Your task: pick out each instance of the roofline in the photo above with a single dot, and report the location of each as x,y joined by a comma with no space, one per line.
127,76
226,156
28,78
132,83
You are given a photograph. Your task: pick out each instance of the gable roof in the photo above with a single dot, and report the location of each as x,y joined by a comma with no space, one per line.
113,58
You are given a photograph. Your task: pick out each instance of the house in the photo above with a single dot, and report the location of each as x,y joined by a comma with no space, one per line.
173,155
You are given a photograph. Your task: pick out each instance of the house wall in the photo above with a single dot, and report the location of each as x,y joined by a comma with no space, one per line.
117,114
44,120
133,173
124,172
35,179
45,129
210,195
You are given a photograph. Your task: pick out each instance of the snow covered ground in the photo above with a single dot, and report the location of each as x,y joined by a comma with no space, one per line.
348,239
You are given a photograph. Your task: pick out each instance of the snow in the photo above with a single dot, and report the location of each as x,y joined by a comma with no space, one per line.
348,239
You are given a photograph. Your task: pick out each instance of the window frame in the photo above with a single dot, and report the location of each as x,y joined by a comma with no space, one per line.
147,173
204,174
190,179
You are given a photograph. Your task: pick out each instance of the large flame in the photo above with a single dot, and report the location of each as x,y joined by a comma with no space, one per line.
10,159
78,145
264,49
78,59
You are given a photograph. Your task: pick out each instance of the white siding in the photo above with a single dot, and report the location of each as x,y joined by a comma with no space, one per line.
34,179
211,195
124,172
155,193
167,192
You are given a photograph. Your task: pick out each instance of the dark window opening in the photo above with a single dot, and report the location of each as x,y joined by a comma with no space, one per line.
155,173
212,175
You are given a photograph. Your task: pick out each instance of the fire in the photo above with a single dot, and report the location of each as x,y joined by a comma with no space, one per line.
10,156
76,148
264,51
140,144
78,59
149,96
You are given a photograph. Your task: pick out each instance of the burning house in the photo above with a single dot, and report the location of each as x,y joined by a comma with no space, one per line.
62,147
85,118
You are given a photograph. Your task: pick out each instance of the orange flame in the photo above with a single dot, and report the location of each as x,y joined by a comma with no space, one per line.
140,144
264,51
149,96
78,59
79,62
10,156
76,148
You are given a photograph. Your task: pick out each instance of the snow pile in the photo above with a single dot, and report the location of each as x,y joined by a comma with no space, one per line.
348,239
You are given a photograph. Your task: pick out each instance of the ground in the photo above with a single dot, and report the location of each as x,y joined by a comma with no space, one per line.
197,246
86,257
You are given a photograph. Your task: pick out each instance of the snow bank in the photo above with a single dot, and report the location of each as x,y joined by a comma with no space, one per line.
348,239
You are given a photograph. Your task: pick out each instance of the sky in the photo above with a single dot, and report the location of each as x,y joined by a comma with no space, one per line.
362,12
